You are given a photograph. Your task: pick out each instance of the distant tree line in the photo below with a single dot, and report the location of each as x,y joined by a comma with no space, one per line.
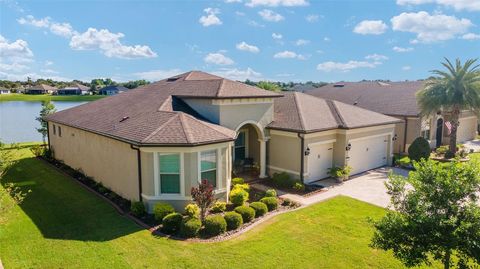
284,86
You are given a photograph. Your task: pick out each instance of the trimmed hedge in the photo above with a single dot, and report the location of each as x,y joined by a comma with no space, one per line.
260,208
192,210
218,207
138,209
233,219
247,213
271,193
237,180
419,149
171,223
214,225
189,227
282,180
270,202
160,210
238,196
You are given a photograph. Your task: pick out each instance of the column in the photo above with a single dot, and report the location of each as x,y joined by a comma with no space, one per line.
263,158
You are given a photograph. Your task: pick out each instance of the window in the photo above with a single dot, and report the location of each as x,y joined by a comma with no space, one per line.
208,167
240,146
54,129
169,173
59,131
425,131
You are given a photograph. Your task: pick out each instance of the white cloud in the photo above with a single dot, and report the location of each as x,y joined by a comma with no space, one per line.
277,36
326,39
312,18
30,20
401,49
246,47
239,13
233,1
376,57
370,27
62,29
344,67
109,44
17,51
154,75
469,5
276,3
211,17
406,68
48,63
238,74
471,36
430,28
255,24
218,59
270,15
289,55
302,42
49,71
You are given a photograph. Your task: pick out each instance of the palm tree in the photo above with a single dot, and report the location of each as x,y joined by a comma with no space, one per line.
451,92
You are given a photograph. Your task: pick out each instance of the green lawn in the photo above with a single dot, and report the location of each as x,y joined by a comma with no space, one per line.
60,225
44,97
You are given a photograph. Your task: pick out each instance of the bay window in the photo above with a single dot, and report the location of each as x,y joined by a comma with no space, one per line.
208,166
169,171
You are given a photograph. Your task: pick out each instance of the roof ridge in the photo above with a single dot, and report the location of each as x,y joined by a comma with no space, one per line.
184,127
300,114
158,129
333,108
204,123
220,87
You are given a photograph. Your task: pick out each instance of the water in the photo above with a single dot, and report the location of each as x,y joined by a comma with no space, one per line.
17,120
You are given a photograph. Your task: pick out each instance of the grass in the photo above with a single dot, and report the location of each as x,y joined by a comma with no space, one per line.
44,97
61,225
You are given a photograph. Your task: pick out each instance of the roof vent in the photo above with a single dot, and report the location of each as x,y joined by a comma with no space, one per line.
124,119
383,83
338,85
172,79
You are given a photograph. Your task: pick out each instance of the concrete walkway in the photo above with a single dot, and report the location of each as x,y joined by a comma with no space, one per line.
368,187
473,144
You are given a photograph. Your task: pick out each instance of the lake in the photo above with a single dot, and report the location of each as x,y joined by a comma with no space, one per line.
17,120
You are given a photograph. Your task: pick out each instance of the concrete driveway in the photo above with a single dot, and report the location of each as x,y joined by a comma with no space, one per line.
368,187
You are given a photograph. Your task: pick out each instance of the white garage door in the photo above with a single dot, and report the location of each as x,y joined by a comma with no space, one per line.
319,161
367,154
467,129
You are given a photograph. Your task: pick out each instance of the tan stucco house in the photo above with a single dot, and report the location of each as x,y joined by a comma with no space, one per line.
155,142
397,99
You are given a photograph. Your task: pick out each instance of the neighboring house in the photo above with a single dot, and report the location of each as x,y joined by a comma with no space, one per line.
41,89
4,91
155,143
397,99
76,89
112,90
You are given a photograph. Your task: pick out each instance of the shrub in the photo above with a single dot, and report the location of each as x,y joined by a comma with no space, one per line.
299,187
449,154
233,219
237,180
271,193
214,225
243,186
289,203
270,202
403,161
137,208
171,223
192,210
219,207
419,149
441,150
189,227
38,150
246,212
282,180
238,196
204,196
260,208
160,210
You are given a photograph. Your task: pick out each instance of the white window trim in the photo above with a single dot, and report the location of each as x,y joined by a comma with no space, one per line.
245,131
156,171
218,168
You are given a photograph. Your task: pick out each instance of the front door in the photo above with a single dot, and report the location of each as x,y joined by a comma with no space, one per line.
439,133
240,147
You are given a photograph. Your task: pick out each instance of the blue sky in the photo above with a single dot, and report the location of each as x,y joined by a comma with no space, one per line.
285,40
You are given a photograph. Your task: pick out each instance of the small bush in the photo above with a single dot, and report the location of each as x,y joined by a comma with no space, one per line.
137,208
403,161
237,180
238,196
244,187
298,186
219,207
449,154
233,219
247,213
260,208
192,210
270,202
289,203
171,223
160,210
271,193
214,225
419,149
189,227
441,150
38,150
282,180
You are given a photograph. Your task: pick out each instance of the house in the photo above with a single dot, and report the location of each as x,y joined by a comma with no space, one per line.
4,90
112,90
41,89
75,89
156,142
397,99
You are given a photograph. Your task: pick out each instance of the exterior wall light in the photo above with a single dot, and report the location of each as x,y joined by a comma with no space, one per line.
395,137
348,147
307,151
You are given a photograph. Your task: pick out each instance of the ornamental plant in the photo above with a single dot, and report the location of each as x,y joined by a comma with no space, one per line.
204,197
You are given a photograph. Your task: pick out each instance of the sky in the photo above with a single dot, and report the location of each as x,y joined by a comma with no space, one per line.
277,40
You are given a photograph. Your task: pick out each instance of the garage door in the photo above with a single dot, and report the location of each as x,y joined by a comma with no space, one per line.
466,129
368,153
319,161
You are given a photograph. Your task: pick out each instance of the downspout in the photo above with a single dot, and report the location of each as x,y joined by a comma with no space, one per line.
302,160
48,137
405,135
139,171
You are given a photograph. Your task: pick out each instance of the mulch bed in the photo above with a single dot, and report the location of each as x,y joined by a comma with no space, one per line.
309,189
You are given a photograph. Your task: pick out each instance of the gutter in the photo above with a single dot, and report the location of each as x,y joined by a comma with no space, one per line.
139,170
302,159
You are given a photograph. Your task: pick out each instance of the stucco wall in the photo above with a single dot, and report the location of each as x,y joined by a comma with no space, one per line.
284,153
205,108
111,162
231,116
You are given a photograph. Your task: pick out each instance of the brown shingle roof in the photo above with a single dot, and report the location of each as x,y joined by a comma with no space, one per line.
391,98
44,87
304,113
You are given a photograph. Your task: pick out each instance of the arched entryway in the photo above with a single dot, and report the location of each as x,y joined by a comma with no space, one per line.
249,151
439,133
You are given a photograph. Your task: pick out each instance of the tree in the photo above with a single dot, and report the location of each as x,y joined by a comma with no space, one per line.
435,215
47,109
204,197
452,91
269,86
